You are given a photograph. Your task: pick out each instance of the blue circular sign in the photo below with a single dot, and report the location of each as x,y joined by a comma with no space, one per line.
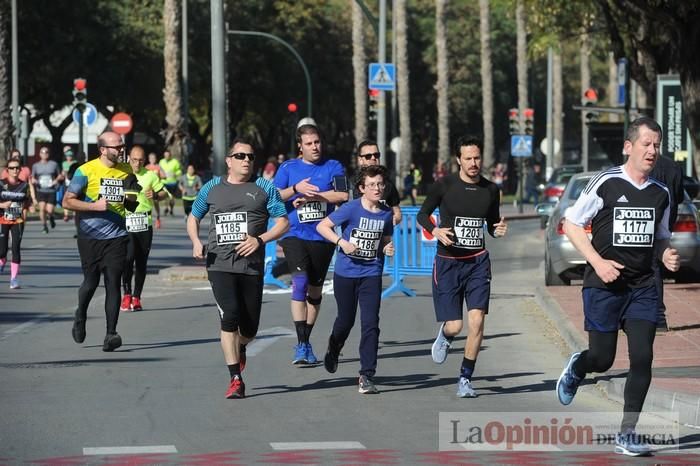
89,115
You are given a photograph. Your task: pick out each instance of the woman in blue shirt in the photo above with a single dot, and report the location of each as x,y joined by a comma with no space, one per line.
366,225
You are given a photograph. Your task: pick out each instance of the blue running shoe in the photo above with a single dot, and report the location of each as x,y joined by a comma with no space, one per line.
568,382
299,354
310,356
631,444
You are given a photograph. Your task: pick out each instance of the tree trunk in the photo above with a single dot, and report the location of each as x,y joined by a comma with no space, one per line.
612,87
486,82
359,65
558,107
175,134
521,57
6,128
403,89
585,70
442,85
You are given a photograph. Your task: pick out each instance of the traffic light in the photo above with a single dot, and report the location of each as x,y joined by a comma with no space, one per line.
80,94
529,119
292,107
590,99
514,121
373,104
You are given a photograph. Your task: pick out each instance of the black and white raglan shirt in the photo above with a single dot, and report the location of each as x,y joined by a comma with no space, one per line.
626,219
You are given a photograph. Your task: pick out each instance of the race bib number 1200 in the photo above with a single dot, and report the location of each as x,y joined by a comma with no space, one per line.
231,227
469,233
633,227
112,190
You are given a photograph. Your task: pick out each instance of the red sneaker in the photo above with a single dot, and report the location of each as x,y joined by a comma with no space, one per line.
236,389
158,224
126,303
136,304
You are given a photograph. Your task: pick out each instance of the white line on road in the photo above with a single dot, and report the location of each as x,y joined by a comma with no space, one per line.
317,446
21,327
129,450
266,338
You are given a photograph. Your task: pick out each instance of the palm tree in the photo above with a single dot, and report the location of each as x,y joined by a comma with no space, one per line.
358,67
585,70
402,79
5,104
521,58
486,82
442,84
558,107
175,134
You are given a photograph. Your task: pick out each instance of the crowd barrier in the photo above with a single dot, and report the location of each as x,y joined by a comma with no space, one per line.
414,255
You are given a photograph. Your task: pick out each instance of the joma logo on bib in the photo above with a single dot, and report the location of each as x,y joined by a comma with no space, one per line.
633,227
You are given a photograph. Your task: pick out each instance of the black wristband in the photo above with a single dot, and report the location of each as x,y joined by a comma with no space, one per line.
294,188
260,241
337,243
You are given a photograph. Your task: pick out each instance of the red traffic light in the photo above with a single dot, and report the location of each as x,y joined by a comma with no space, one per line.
529,113
591,95
80,84
373,93
513,113
292,107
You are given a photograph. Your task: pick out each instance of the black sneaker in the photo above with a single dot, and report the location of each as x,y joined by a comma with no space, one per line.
330,360
78,331
52,222
112,342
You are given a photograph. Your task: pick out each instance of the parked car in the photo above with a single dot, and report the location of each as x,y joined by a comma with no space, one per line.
553,190
563,263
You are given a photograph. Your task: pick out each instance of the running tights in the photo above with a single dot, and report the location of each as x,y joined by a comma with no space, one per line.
601,354
15,231
137,258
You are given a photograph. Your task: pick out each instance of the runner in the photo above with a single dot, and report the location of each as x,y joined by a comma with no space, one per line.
628,212
310,186
101,191
66,172
172,170
46,176
462,269
139,224
367,227
368,155
15,199
190,183
154,167
240,209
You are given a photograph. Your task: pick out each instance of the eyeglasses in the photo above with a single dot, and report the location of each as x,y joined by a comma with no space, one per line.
118,148
373,155
375,186
242,156
14,167
43,151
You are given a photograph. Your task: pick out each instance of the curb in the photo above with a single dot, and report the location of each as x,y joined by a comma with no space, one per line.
184,273
687,406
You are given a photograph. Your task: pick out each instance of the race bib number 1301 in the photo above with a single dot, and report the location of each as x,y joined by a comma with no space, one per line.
112,189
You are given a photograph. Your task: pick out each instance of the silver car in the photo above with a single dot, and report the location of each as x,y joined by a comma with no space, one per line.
563,263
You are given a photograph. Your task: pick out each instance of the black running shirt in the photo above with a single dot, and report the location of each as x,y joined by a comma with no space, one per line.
626,220
464,207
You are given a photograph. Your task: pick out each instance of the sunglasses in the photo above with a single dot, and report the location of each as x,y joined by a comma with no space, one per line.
118,148
242,156
14,167
373,155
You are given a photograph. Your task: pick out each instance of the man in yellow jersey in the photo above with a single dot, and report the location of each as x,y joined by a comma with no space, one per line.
139,224
101,191
172,171
190,184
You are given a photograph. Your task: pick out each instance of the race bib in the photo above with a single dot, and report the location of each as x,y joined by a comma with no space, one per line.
469,233
136,222
231,227
633,227
112,189
13,212
312,211
45,181
367,242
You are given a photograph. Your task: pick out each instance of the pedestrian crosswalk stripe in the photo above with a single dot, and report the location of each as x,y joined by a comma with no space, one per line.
129,450
317,446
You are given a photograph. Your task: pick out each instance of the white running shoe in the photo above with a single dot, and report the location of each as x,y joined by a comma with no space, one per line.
465,389
440,346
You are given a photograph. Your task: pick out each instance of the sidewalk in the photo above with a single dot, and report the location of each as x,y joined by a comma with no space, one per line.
675,384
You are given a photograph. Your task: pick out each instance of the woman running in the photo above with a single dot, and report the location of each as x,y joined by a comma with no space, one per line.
14,200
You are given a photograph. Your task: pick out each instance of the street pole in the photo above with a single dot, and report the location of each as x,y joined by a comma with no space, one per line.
185,92
381,103
218,87
15,84
550,116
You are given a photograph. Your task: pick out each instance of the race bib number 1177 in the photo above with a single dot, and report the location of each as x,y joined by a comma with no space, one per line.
633,227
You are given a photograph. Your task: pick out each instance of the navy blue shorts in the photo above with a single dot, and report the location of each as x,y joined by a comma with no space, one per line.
605,310
458,280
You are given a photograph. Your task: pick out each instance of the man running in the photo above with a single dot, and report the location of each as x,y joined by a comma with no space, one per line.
139,224
190,183
154,167
101,191
462,269
172,170
46,175
66,172
308,187
368,155
240,209
628,212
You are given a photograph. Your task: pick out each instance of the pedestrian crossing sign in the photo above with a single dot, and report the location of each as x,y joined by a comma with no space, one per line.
521,145
382,76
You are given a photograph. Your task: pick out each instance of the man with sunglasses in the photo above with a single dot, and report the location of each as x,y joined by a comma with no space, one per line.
311,186
101,191
368,155
240,208
46,176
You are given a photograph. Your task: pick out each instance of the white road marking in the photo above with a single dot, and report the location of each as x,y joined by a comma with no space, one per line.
317,446
129,450
22,327
262,340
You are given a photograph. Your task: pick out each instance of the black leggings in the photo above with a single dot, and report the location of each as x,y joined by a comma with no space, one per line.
137,257
16,230
101,257
600,355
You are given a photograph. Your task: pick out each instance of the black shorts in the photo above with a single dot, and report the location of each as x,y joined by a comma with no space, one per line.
99,255
49,198
312,257
239,300
173,189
